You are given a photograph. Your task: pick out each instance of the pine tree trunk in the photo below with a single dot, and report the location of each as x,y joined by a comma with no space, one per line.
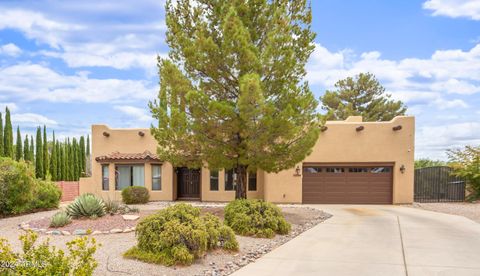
241,190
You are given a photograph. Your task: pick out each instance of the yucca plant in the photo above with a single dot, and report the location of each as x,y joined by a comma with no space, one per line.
111,207
86,205
60,219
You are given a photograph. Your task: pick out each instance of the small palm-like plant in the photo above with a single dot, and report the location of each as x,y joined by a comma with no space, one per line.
86,205
60,219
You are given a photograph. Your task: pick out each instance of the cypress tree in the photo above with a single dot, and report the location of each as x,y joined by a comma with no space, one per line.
76,160
53,165
64,162
26,149
59,161
88,146
45,153
69,152
31,152
8,135
82,157
39,155
19,146
2,150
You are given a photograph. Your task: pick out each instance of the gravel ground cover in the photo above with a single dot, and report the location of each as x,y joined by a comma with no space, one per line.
468,210
217,262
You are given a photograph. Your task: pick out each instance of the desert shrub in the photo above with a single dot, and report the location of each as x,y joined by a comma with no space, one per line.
255,218
86,205
60,219
48,260
466,164
178,235
17,181
111,207
47,195
135,195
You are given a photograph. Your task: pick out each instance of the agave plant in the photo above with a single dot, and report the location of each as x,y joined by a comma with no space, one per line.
86,205
60,219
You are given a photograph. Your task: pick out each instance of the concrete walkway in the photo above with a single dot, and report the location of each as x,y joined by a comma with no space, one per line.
377,240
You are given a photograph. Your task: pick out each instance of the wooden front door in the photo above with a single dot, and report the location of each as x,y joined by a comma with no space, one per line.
188,181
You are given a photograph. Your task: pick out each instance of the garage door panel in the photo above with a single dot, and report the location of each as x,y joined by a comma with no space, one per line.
356,183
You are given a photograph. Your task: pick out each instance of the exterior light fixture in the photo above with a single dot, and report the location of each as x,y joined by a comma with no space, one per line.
402,168
297,171
106,134
141,133
397,128
360,128
323,128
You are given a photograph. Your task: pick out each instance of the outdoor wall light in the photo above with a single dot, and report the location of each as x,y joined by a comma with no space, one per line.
397,128
141,133
106,134
297,171
402,168
360,128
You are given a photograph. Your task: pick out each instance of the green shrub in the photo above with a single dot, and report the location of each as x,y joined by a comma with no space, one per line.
111,207
60,219
255,218
47,195
16,186
86,205
178,235
135,195
48,260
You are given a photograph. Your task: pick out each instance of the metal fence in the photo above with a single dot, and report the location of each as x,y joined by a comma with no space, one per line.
437,184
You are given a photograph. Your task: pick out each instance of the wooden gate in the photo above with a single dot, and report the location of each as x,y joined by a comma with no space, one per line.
438,184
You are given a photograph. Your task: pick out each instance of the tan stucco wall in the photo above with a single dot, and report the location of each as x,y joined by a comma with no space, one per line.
340,143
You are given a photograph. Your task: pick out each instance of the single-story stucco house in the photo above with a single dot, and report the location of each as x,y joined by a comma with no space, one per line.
352,162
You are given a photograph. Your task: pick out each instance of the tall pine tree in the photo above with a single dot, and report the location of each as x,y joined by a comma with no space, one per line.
19,146
88,146
26,149
39,155
233,92
59,161
63,157
2,150
45,153
8,135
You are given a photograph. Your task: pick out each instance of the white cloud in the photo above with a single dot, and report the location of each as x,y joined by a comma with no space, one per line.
37,82
139,114
446,136
10,49
35,26
11,106
32,119
413,80
454,8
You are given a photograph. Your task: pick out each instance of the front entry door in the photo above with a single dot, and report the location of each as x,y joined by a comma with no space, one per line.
188,183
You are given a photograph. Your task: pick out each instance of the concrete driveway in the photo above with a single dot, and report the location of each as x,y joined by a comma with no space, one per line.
377,240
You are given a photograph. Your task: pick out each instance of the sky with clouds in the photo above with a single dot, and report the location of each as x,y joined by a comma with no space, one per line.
71,64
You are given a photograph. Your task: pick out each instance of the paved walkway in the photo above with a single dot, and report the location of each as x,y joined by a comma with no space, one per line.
377,240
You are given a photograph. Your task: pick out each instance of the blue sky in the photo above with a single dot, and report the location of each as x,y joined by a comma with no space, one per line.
71,64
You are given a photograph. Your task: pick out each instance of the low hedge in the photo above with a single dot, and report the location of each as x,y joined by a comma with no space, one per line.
47,195
178,235
135,195
255,217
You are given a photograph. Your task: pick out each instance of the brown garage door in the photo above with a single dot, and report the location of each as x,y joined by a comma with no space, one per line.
353,183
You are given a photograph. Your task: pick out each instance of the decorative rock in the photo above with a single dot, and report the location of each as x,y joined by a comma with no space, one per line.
96,232
126,230
80,232
105,232
130,217
116,230
56,232
42,230
66,233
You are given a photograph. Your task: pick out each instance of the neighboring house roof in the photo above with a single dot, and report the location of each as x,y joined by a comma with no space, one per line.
117,156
